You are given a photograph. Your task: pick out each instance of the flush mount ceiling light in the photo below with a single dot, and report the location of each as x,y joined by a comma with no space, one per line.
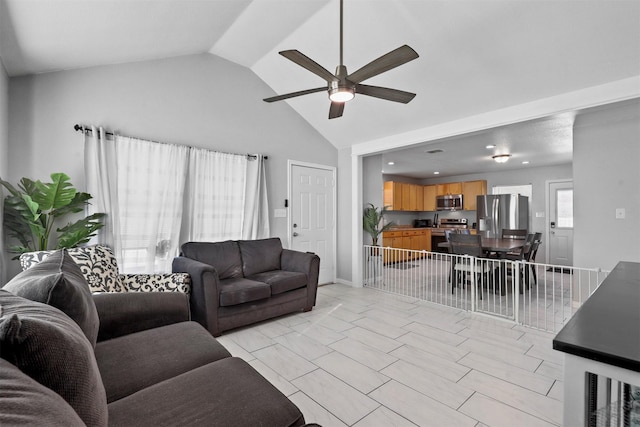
501,158
391,163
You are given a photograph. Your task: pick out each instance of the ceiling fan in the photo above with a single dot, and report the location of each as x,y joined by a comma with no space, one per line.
342,87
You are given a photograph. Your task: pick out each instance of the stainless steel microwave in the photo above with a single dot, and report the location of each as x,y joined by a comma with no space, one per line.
449,202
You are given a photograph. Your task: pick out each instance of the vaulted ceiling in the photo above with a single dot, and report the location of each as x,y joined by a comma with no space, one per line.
475,56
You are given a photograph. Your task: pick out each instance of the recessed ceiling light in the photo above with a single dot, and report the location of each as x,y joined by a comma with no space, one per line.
391,163
526,162
490,146
436,173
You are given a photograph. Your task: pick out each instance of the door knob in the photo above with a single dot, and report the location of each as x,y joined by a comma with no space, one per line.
295,234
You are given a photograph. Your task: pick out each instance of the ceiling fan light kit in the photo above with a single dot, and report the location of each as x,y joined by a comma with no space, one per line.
342,87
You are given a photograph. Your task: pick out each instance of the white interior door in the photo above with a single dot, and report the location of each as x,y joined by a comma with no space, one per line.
560,226
312,221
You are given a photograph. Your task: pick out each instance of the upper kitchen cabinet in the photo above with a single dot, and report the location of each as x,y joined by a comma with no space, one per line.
401,196
429,192
470,192
448,188
392,195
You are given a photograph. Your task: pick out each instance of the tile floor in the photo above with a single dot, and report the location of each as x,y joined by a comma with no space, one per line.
363,357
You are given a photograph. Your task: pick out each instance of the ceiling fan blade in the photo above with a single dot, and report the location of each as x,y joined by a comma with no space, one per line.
336,110
308,63
294,94
386,62
385,93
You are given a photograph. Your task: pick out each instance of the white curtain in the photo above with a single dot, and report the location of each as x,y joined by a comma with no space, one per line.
216,195
151,180
141,186
255,223
101,176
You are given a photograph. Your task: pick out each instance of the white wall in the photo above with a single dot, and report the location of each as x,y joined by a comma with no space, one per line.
4,156
607,176
198,100
344,220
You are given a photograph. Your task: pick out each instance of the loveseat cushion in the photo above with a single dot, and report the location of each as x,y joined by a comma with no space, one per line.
260,255
239,396
58,281
132,362
281,281
240,290
223,256
50,347
97,263
26,402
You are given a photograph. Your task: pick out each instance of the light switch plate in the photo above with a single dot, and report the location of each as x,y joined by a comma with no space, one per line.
279,213
539,214
620,213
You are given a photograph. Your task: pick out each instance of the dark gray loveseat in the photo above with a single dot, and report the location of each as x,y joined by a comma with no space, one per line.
70,358
240,282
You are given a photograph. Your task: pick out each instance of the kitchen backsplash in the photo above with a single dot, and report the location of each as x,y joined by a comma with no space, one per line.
406,218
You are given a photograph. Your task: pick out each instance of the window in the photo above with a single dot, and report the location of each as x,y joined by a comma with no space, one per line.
564,208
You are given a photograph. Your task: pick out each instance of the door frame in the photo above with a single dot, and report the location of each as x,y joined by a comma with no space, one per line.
334,232
547,227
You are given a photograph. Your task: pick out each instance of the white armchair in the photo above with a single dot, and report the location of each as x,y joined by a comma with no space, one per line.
100,269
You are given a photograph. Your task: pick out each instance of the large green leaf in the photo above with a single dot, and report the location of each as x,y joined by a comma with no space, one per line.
31,209
56,194
79,202
80,232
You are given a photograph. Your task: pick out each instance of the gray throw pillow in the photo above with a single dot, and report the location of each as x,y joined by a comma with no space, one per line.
49,347
260,255
58,281
24,401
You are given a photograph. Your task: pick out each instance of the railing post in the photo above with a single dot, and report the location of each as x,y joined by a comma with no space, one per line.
516,291
473,266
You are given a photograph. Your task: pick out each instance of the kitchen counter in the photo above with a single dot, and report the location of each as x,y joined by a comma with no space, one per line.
602,340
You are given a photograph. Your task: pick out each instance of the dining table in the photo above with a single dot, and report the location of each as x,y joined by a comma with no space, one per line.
498,245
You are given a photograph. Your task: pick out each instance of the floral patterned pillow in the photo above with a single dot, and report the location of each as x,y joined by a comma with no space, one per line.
97,263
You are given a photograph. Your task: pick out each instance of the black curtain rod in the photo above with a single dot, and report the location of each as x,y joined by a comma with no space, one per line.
84,129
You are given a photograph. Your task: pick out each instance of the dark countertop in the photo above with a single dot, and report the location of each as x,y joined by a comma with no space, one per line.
607,326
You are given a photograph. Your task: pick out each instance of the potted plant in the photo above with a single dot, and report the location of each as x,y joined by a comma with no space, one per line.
372,222
32,209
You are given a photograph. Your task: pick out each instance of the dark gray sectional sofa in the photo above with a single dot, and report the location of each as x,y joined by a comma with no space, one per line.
70,358
240,282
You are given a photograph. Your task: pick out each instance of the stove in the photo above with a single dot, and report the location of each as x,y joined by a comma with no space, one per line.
437,234
449,224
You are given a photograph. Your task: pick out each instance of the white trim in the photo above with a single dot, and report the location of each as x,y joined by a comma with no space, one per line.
332,169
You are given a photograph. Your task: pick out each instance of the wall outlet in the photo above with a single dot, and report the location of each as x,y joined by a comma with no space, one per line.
620,213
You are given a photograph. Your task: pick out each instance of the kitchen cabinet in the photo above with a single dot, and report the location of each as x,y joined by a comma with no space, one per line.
470,191
402,196
429,192
392,195
448,188
413,239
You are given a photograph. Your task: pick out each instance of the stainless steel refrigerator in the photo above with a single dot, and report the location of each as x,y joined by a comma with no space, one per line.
496,212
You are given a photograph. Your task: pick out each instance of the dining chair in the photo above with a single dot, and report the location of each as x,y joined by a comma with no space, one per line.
514,233
523,254
469,244
537,241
